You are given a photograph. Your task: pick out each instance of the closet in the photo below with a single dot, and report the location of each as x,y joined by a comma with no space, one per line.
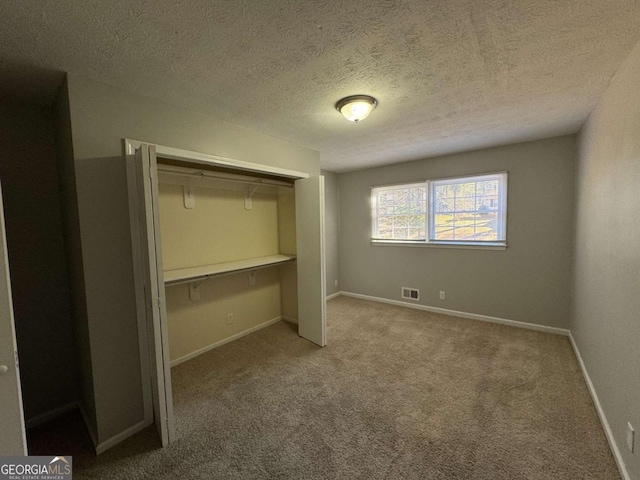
222,248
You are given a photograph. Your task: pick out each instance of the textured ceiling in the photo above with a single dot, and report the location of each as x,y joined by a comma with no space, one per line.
450,75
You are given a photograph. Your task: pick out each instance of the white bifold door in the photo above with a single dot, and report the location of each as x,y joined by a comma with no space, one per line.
144,176
12,432
310,247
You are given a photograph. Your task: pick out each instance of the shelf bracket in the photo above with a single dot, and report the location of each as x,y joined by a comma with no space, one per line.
189,194
194,291
248,202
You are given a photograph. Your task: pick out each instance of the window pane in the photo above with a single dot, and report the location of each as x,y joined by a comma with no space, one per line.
469,209
400,212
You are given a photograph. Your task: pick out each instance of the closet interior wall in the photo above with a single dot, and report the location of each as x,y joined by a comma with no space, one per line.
220,227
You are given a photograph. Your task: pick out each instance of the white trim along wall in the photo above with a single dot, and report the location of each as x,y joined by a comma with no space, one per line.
603,418
455,313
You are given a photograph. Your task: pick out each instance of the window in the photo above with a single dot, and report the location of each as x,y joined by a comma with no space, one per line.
400,212
462,210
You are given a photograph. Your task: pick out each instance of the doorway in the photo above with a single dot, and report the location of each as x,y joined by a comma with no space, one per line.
37,288
143,164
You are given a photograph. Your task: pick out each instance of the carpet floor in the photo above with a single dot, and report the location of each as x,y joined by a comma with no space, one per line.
397,394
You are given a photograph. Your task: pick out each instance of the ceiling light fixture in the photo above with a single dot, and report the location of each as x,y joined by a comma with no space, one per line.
356,107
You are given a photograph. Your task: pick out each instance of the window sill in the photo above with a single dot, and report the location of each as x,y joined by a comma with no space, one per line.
467,246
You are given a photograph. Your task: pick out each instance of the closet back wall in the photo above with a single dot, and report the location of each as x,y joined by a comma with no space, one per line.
218,229
194,327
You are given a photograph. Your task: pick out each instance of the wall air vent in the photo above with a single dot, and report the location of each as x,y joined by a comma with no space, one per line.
410,293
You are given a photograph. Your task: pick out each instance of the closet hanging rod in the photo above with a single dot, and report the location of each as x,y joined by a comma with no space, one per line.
225,176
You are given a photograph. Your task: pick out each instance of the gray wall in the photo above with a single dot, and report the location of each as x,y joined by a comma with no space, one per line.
37,259
332,230
528,282
606,300
101,116
73,246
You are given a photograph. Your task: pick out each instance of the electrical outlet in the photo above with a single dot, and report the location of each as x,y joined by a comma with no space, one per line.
229,318
631,437
443,295
335,283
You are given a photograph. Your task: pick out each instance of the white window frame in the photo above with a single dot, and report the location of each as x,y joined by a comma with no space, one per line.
430,217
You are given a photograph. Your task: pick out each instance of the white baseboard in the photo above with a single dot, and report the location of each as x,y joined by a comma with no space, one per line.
290,319
102,447
603,418
455,313
334,295
50,415
200,351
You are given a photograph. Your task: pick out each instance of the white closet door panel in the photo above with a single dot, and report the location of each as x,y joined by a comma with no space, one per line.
12,437
147,182
311,259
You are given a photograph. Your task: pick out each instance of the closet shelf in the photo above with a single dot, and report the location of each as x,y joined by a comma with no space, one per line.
196,274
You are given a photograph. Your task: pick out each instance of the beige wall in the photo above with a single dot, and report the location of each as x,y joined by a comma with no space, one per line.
287,240
200,324
529,282
332,230
287,221
33,218
219,229
101,116
606,302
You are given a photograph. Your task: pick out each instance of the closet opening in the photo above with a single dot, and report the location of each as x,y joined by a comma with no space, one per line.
45,332
222,248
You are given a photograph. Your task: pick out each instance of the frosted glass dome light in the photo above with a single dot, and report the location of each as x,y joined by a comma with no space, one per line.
356,107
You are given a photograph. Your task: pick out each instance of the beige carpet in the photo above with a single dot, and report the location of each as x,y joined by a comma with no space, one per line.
397,394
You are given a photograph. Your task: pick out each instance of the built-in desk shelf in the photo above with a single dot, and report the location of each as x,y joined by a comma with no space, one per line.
197,274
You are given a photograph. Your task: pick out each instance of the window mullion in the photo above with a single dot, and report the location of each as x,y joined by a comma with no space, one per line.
428,213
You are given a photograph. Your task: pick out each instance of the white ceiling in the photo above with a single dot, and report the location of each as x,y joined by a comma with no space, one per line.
450,75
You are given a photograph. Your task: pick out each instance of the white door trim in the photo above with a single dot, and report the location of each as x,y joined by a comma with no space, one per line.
13,440
207,159
138,278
